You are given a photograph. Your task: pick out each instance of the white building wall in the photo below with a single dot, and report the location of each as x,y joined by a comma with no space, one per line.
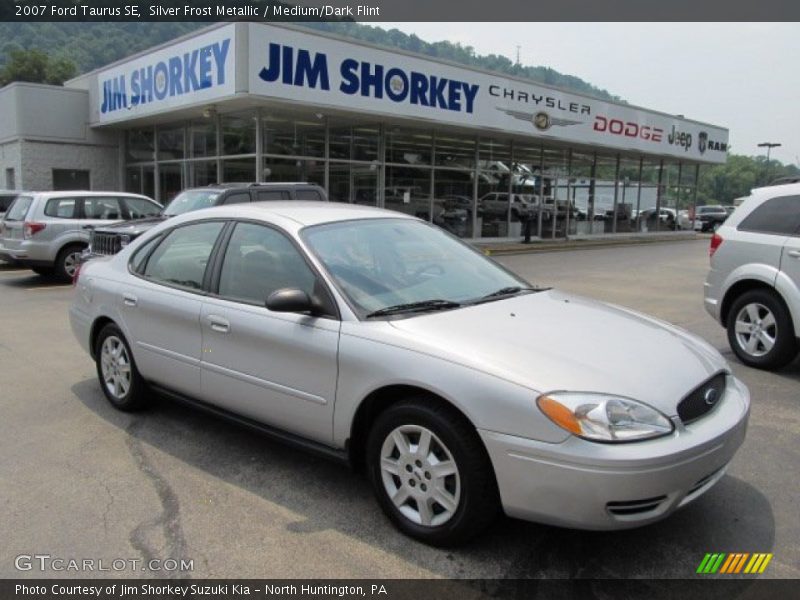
38,159
10,158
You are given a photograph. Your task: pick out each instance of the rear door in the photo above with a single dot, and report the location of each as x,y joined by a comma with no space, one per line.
161,306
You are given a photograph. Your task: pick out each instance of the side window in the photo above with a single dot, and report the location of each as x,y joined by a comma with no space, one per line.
139,208
62,208
308,195
182,257
258,261
101,208
237,198
140,256
272,195
780,216
19,208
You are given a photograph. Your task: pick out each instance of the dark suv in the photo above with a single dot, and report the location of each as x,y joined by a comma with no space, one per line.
111,239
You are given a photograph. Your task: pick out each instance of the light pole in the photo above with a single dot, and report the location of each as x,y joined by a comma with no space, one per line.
769,146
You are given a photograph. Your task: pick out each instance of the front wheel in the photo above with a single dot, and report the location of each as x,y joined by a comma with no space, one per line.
760,330
122,384
431,473
67,262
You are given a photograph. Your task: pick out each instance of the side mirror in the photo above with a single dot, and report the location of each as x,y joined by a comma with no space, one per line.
294,301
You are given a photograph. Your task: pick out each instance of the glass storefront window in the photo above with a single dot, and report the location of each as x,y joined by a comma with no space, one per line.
348,142
140,145
298,136
202,173
453,205
297,170
353,183
170,181
239,170
238,134
408,190
171,144
408,146
455,151
203,135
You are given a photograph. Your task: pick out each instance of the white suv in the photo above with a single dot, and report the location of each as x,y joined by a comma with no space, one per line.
753,287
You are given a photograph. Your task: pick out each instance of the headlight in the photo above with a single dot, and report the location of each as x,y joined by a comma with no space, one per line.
603,417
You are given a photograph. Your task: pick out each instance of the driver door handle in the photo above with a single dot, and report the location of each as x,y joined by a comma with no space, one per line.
794,253
129,299
219,324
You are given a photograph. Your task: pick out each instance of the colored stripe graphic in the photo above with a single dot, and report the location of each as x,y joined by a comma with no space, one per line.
734,563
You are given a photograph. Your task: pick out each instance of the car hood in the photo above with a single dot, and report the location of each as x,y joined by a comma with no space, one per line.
551,341
133,228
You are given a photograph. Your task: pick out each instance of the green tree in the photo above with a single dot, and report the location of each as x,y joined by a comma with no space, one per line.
36,66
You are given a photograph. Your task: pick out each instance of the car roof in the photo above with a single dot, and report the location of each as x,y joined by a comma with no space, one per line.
248,185
302,213
86,194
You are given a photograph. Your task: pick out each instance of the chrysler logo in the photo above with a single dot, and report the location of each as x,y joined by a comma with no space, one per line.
710,396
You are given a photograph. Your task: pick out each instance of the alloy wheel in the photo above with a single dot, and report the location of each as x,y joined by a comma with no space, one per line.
115,366
71,262
420,475
756,329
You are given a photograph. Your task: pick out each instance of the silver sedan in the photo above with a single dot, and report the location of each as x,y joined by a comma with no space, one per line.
378,339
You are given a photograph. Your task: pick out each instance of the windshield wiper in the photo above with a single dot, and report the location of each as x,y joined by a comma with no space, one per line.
506,291
414,307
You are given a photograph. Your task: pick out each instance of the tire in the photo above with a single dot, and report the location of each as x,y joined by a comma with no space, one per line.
67,260
115,367
460,503
760,330
43,271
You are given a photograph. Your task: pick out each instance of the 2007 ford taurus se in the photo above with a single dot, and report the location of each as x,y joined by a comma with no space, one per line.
380,339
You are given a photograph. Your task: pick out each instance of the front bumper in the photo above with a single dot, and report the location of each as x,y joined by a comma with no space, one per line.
589,485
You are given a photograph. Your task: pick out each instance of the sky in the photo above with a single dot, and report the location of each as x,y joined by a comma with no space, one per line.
742,76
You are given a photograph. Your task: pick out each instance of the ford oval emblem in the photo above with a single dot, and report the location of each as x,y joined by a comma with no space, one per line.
710,396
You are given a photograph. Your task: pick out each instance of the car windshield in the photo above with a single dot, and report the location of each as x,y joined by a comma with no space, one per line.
191,200
382,264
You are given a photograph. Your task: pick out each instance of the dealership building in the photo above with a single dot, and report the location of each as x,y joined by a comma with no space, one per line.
253,102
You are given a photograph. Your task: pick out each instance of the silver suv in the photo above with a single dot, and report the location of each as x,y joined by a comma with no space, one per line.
753,287
47,231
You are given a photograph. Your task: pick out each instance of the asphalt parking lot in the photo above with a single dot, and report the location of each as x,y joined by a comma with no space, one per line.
82,480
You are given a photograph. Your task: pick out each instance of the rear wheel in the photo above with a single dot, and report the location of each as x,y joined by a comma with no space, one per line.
67,262
431,473
119,378
760,330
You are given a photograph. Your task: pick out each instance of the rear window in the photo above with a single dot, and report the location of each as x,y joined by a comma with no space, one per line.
779,216
62,208
19,208
308,195
5,202
272,195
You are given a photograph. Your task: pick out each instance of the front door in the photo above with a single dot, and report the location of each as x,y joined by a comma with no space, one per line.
276,368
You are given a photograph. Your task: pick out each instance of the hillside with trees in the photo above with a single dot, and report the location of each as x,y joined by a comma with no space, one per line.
91,45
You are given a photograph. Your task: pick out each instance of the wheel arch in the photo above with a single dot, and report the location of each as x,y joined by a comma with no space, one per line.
94,331
375,403
739,288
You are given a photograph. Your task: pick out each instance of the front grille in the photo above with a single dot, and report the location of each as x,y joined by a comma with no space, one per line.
634,507
702,399
106,243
